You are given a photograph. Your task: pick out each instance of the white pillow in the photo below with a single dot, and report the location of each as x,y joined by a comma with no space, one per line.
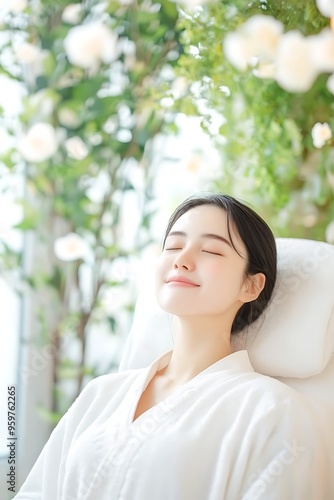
293,338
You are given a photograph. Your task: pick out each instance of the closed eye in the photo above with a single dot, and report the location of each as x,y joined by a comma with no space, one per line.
173,249
212,253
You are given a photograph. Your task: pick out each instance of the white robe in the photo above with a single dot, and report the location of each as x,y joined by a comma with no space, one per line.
227,434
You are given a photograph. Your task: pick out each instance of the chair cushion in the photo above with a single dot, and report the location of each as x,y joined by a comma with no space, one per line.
295,336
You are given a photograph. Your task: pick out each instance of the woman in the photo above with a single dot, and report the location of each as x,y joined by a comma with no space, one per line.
199,423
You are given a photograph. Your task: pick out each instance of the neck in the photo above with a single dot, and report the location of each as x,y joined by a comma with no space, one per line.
199,343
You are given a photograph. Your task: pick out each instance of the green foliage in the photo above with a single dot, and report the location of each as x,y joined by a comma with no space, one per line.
265,138
111,108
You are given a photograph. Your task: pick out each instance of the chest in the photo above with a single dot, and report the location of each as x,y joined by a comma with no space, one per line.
154,393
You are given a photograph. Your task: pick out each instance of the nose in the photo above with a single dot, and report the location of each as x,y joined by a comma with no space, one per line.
184,260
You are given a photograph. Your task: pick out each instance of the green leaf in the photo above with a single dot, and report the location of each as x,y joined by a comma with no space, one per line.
112,323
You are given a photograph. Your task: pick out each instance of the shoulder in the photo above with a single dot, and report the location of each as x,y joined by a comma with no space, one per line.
283,405
236,375
105,389
260,396
273,390
112,381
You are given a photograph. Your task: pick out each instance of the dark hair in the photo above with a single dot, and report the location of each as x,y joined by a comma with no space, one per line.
258,240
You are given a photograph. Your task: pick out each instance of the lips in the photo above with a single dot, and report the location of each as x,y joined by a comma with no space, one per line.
181,279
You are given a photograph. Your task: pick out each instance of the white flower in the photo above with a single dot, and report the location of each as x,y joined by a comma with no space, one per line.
89,44
322,49
326,7
123,135
179,87
263,33
31,58
256,38
16,6
237,50
320,134
98,187
76,148
72,13
330,84
27,53
70,247
69,118
330,233
265,70
295,66
39,144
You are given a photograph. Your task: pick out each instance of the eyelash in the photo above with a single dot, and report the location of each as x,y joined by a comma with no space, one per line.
212,253
205,251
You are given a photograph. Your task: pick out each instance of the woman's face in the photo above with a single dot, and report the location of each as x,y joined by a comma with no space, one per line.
198,249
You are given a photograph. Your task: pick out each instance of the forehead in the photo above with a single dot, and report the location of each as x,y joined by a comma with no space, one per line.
208,219
204,218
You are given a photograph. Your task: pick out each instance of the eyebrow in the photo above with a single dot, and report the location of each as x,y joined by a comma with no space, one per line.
204,235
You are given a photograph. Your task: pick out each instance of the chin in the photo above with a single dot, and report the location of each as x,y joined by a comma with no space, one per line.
177,308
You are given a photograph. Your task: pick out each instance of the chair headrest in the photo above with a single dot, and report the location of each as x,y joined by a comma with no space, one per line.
293,338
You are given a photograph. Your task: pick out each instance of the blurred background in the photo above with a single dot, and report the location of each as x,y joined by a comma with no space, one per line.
111,114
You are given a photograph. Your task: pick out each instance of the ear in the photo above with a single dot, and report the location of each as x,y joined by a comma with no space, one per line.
252,287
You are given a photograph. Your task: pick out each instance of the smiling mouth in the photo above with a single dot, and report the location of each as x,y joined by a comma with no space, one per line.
181,283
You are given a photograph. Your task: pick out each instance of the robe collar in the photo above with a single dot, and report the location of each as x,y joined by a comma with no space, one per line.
236,362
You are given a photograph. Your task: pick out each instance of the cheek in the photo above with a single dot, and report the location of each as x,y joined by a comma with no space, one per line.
227,277
215,270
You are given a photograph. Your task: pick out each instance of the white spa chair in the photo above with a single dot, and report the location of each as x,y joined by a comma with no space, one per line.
293,341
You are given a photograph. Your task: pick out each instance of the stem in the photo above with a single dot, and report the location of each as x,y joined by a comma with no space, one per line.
55,342
81,336
85,315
